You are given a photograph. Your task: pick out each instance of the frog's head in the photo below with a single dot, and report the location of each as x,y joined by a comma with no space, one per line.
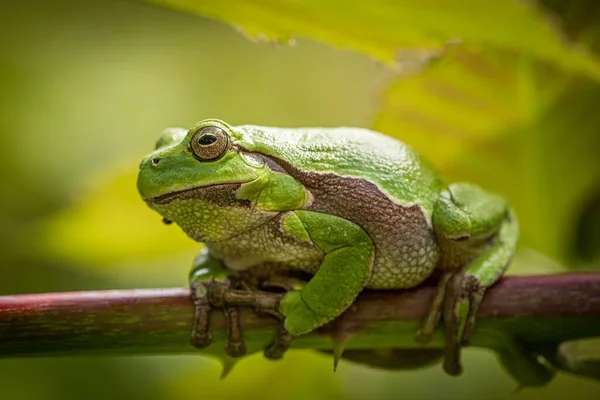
192,175
203,156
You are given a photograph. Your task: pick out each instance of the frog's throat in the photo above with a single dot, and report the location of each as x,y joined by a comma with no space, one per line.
191,193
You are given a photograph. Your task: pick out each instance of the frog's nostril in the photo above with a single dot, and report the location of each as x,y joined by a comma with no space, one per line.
155,161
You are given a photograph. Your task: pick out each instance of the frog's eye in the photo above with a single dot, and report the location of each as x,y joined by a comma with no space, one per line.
209,143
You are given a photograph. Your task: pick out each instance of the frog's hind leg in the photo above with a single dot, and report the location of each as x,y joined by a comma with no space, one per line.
478,234
466,288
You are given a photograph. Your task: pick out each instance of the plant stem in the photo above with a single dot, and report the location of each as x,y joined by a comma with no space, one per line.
537,309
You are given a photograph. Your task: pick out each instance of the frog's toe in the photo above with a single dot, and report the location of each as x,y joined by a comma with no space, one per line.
201,337
280,344
236,347
200,340
452,366
473,292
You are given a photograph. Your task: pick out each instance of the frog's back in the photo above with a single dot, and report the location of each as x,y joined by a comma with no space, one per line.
395,168
366,177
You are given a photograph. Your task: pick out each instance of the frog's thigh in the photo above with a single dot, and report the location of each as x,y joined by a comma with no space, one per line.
343,272
490,266
465,213
468,215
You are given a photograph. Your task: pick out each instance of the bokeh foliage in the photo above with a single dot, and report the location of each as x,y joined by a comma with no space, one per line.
497,92
88,86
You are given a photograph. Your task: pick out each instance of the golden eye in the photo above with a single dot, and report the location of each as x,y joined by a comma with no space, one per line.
209,143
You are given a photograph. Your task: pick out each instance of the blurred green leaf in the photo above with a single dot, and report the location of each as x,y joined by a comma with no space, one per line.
381,28
585,242
579,357
300,375
91,82
511,124
108,223
579,20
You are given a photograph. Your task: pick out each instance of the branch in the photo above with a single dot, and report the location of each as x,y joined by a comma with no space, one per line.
536,309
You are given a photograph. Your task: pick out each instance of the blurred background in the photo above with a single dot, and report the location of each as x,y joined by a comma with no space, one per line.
87,87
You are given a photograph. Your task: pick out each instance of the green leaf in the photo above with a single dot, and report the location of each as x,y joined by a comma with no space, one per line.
108,224
273,382
511,124
579,20
579,357
382,28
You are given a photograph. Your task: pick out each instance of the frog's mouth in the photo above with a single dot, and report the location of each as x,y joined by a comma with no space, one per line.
221,194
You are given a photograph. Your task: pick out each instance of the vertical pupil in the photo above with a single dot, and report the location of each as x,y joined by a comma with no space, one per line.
207,139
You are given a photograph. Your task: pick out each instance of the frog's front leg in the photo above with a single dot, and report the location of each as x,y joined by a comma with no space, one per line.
477,233
342,274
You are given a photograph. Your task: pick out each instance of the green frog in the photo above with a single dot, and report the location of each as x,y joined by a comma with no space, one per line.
298,221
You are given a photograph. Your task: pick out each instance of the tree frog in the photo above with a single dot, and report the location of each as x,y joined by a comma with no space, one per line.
323,213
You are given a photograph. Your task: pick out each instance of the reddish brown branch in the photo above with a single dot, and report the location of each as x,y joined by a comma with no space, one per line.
537,308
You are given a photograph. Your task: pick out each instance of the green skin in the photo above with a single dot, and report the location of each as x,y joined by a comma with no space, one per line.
344,208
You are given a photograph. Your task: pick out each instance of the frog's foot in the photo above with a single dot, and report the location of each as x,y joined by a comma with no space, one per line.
222,295
464,294
282,342
458,298
283,338
201,336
